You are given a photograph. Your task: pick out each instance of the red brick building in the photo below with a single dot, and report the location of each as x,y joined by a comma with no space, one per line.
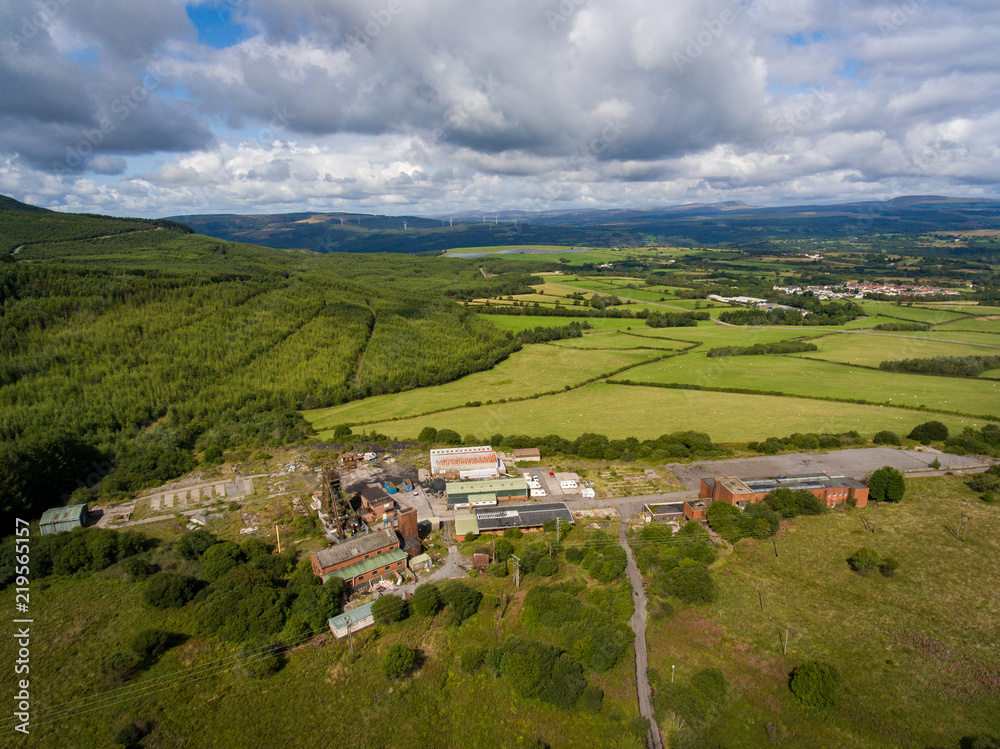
830,490
361,559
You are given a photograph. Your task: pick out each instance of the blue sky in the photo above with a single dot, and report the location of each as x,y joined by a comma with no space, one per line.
420,107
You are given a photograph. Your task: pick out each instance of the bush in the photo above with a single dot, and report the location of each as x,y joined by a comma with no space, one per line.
193,545
888,566
260,661
169,590
471,658
118,667
929,431
637,726
462,601
130,735
574,555
864,560
885,437
137,569
426,600
219,559
886,485
504,548
546,567
397,661
427,434
151,643
591,699
514,533
815,684
389,609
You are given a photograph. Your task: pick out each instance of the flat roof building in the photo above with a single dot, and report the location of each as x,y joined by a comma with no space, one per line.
473,493
60,519
466,462
527,454
525,517
830,490
661,513
355,619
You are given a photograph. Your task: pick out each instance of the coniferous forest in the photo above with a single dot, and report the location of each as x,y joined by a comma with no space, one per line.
128,346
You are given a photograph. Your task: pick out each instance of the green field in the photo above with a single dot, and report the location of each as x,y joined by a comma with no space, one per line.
910,649
872,349
517,323
916,314
616,340
971,324
797,376
620,411
537,368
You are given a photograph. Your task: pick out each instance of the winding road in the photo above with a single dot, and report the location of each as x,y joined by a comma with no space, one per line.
642,687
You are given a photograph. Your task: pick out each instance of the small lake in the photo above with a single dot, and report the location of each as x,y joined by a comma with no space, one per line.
512,251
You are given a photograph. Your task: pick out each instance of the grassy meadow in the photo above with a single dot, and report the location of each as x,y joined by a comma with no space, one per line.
910,649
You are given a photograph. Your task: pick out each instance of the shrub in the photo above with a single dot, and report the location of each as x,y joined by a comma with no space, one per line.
151,643
514,533
169,590
886,484
691,583
426,600
815,684
929,431
591,699
193,545
260,661
397,661
546,567
471,658
574,555
219,559
864,560
118,667
504,548
885,437
888,566
137,569
462,601
637,726
389,609
130,735
427,434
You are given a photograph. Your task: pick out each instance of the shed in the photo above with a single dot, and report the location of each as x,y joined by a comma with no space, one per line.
357,619
60,519
420,562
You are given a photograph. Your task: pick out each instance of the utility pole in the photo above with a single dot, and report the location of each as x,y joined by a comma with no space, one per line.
550,549
278,532
775,542
672,674
762,594
517,570
558,521
963,528
784,648
350,635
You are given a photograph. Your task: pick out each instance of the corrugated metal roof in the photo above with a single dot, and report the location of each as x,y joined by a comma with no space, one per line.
355,615
356,547
522,516
367,565
60,519
494,486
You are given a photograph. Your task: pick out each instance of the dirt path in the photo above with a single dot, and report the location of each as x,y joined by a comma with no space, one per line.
361,359
645,692
17,249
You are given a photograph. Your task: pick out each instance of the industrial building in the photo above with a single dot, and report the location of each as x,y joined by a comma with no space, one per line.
60,519
484,493
830,490
662,513
526,517
466,462
361,559
527,454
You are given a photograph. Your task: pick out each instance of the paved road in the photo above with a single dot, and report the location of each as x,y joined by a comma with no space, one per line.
642,687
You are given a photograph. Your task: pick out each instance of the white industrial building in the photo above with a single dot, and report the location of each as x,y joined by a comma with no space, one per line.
467,462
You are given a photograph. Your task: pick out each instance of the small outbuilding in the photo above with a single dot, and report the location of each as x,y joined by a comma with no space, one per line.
60,519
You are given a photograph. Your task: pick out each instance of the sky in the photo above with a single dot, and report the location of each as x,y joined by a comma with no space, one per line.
428,107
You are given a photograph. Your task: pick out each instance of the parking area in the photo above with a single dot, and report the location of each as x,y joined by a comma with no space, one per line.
856,463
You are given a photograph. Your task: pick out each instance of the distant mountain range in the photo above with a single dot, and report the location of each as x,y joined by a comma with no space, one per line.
728,223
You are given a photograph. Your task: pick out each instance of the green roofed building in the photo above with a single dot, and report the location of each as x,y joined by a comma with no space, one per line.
60,519
482,493
466,525
368,570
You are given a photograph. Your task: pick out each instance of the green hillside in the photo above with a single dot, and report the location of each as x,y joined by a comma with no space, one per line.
134,345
